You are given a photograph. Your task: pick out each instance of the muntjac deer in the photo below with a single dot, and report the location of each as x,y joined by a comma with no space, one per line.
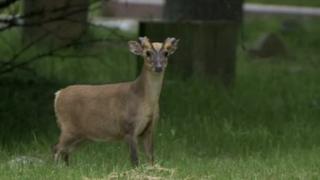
123,111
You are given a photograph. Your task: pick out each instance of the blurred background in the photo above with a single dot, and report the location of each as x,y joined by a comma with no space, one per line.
241,96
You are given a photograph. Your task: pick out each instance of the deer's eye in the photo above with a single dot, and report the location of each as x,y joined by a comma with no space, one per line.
148,54
166,54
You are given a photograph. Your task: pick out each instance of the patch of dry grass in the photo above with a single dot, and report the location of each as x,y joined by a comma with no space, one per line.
155,172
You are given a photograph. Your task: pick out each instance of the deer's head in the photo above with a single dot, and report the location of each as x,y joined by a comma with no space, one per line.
155,54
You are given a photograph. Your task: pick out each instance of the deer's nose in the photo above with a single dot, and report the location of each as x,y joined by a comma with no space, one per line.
158,69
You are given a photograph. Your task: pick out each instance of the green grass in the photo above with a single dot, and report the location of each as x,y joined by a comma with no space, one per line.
288,2
266,127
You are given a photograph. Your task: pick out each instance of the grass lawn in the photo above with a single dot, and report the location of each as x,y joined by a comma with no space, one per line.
266,127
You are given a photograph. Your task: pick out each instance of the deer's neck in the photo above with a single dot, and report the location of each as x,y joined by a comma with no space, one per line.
149,84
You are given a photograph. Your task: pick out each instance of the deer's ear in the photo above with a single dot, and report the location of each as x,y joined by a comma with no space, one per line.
171,45
135,47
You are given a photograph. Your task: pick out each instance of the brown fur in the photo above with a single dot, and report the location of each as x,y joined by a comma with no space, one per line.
110,112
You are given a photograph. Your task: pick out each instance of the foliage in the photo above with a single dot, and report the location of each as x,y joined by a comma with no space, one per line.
13,9
288,2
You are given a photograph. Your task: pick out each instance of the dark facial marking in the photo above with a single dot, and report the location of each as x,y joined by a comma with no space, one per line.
148,54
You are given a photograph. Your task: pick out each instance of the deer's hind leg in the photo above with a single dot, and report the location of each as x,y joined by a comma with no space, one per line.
66,144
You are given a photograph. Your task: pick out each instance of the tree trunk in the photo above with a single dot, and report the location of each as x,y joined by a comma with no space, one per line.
204,10
59,21
205,49
208,31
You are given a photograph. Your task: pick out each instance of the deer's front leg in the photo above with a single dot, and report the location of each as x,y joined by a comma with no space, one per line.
148,147
147,139
132,142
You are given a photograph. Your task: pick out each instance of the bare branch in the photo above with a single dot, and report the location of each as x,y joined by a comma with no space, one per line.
23,50
22,20
64,13
53,52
